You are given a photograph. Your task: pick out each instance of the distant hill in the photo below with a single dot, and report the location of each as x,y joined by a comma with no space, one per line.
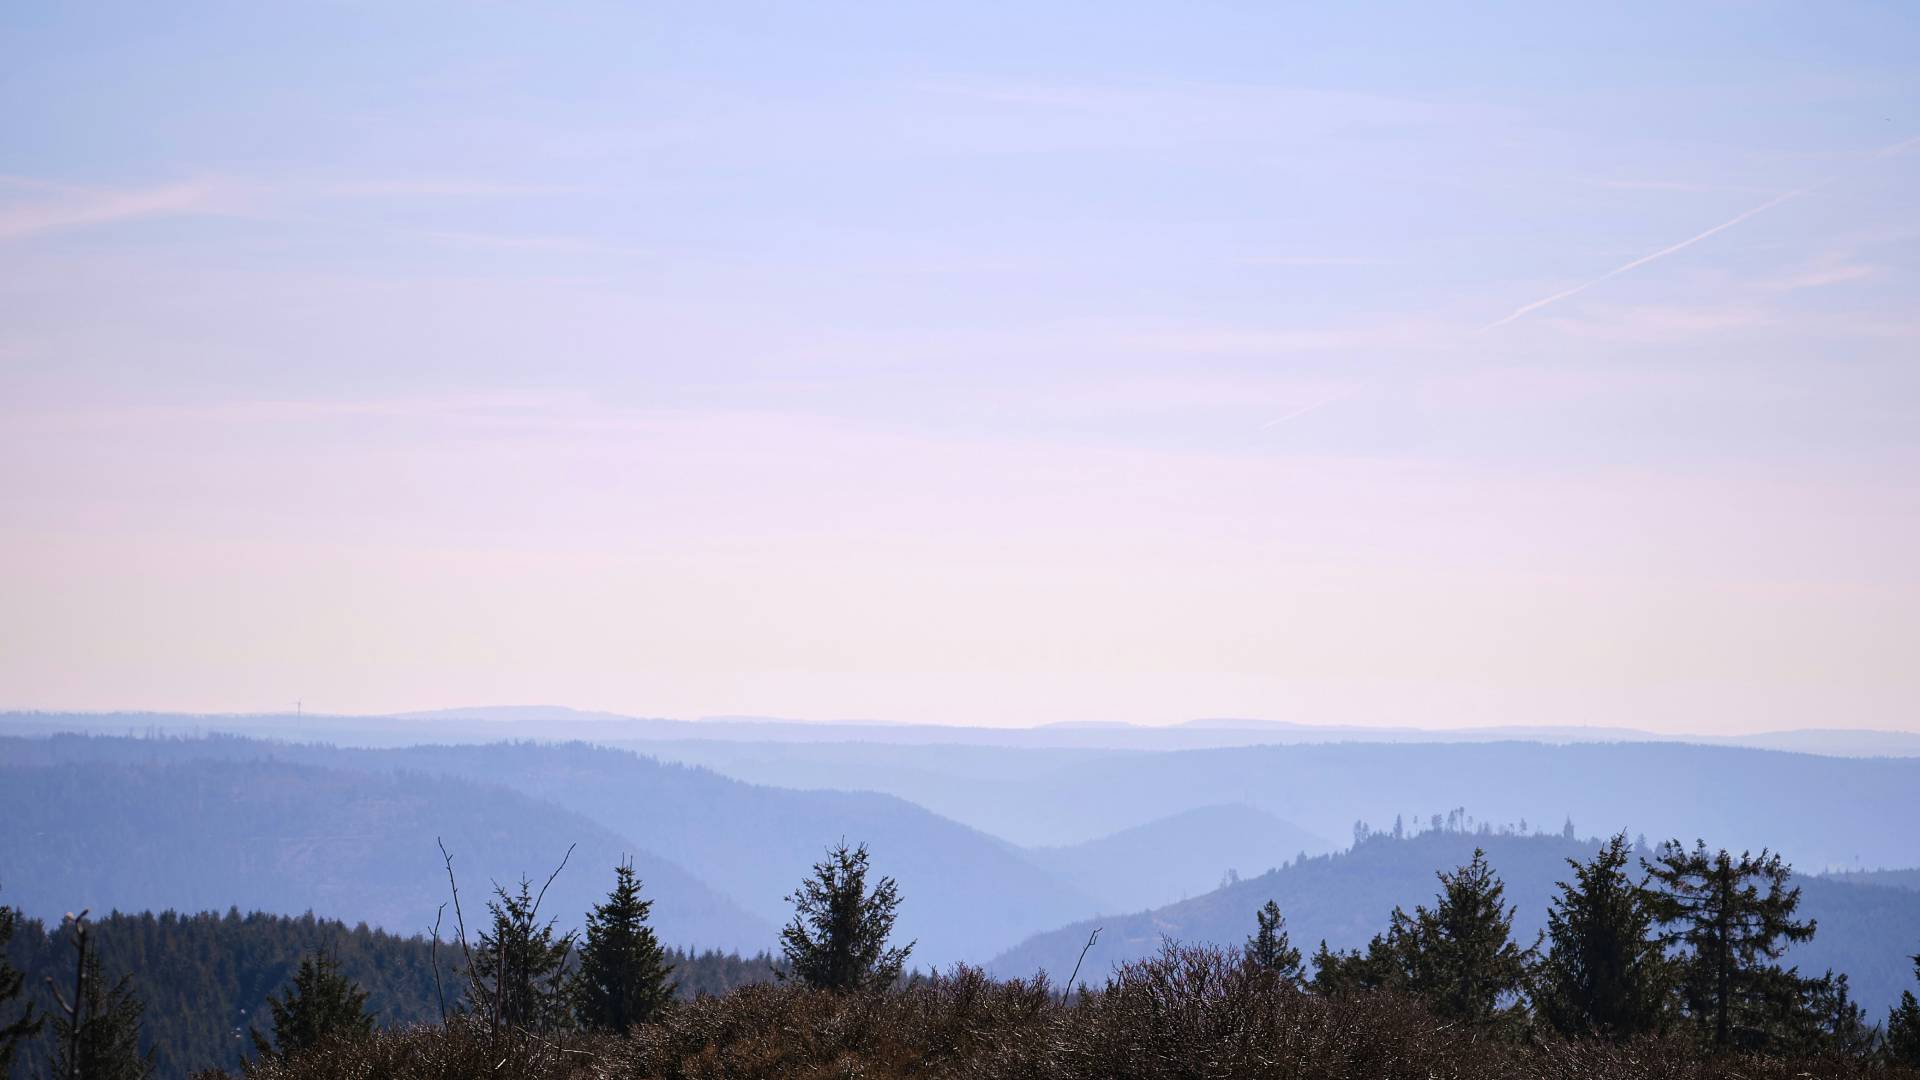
489,723
284,837
967,894
1188,852
1820,811
1865,931
1896,879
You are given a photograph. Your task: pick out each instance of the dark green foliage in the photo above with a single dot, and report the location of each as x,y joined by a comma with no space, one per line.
838,937
1461,955
1345,899
1606,972
1903,1027
1734,916
1269,948
96,1032
18,1021
321,1004
206,978
1458,956
710,972
1376,967
623,978
1819,1017
519,967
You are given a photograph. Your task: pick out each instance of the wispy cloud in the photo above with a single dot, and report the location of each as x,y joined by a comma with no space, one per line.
438,188
1680,186
1315,261
51,206
73,209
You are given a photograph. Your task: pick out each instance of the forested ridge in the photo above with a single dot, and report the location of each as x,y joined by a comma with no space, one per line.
204,978
532,940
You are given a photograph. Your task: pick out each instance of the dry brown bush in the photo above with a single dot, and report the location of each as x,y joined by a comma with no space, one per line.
1191,1014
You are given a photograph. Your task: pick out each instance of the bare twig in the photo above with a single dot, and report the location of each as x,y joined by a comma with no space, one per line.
474,985
433,955
550,877
1091,938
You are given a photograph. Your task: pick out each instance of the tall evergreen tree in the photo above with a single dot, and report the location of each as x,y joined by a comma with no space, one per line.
1812,1017
321,1004
1460,955
1735,918
1903,1026
1269,949
24,1026
623,978
96,1035
838,937
1606,972
520,966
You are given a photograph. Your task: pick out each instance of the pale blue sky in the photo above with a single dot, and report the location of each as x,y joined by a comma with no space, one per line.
977,363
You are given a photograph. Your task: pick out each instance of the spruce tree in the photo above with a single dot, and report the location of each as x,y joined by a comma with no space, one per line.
1605,973
1269,948
623,975
838,937
321,1004
1903,1026
96,1036
1380,966
520,966
1460,955
1735,916
24,1026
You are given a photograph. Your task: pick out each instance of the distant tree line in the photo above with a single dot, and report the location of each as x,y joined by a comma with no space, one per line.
1689,946
1685,946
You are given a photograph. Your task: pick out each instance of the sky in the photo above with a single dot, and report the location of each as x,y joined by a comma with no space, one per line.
965,363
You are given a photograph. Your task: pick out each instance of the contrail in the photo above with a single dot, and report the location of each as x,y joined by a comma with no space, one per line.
1887,151
1300,412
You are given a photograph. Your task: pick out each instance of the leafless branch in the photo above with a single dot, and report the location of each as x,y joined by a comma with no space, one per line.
1091,938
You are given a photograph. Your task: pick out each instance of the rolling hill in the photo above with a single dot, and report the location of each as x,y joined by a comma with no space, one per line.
1189,853
277,836
967,895
1865,931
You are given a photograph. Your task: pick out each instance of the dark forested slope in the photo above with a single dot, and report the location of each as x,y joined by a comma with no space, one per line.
968,895
277,836
205,978
1865,931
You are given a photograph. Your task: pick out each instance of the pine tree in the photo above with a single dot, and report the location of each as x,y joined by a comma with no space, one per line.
1812,1017
623,975
1605,973
1713,904
15,1031
321,1004
96,1035
1460,956
1380,966
519,968
838,937
1269,948
1903,1026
